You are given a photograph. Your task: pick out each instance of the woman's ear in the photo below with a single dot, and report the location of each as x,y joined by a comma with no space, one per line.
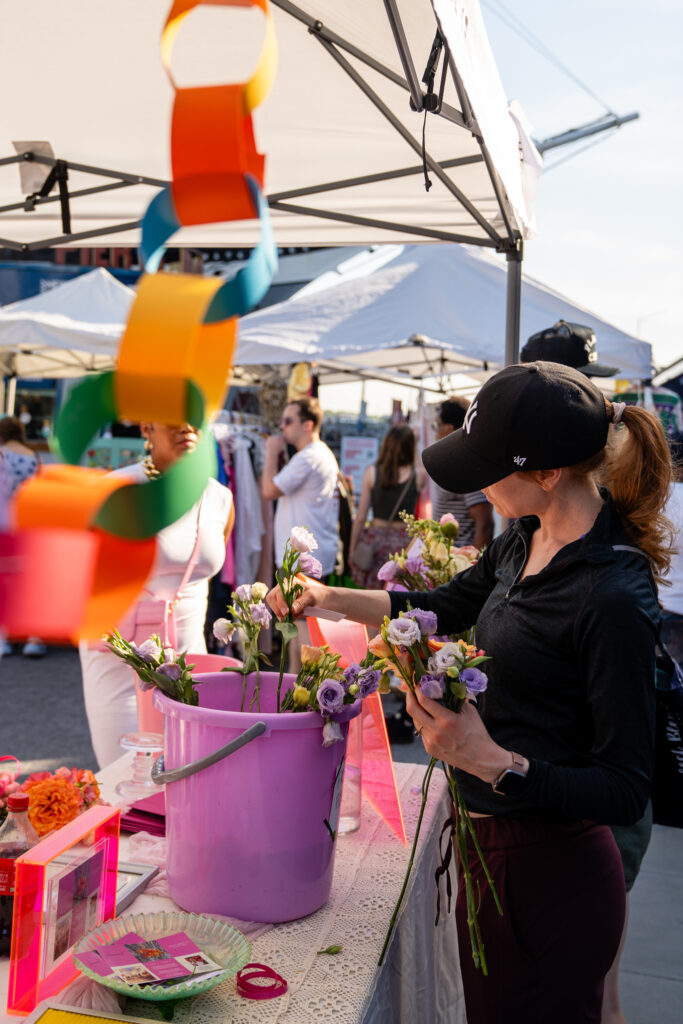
549,478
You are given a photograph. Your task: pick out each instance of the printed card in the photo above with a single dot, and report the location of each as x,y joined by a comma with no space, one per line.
139,961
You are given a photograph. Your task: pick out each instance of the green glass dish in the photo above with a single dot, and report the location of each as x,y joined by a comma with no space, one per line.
221,941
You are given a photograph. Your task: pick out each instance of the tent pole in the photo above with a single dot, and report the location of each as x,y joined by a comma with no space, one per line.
513,303
10,395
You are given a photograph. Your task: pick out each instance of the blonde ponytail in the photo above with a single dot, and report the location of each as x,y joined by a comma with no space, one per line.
638,473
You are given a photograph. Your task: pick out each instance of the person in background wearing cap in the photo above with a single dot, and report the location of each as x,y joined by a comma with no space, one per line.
472,510
569,344
561,743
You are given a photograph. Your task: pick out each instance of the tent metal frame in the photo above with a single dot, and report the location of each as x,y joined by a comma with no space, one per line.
339,49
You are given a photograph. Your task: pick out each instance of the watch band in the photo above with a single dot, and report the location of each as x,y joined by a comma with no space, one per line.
511,780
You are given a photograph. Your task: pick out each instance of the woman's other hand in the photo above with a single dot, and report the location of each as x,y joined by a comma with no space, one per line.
460,740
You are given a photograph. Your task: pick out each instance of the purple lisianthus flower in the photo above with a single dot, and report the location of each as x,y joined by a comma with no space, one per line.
330,696
432,686
243,592
368,682
302,539
403,631
260,614
387,571
351,675
171,671
149,651
331,733
310,565
475,680
414,565
223,630
426,620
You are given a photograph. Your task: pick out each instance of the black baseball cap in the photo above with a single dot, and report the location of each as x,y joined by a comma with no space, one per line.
569,344
528,416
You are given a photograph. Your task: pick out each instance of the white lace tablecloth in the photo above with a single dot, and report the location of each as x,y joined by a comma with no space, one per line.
419,982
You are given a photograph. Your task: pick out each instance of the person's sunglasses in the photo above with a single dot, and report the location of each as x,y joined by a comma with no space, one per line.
286,421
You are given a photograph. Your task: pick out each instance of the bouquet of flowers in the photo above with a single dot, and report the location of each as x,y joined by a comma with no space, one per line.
432,558
56,799
249,616
445,669
156,665
322,686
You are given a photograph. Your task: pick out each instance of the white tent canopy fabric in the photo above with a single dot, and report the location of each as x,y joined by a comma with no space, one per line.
67,330
451,297
343,146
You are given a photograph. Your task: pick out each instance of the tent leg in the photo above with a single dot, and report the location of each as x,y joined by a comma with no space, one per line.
10,395
513,304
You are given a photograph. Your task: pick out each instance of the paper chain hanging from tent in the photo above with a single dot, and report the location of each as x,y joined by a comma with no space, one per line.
85,537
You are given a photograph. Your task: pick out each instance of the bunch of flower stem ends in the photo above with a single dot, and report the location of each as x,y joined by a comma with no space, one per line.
432,558
156,665
444,669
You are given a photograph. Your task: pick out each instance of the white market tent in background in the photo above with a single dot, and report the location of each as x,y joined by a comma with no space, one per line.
71,329
451,297
344,159
430,311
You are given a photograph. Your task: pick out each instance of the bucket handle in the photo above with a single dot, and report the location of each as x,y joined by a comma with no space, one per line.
160,776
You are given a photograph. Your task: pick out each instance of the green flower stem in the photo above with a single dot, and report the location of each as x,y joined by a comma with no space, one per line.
283,656
392,923
463,827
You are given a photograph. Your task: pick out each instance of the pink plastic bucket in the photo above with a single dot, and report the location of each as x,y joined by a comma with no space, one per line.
249,836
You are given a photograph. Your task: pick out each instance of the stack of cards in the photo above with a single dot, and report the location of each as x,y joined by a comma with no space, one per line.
138,961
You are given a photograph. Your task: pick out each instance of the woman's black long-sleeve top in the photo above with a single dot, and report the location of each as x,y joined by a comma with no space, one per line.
571,680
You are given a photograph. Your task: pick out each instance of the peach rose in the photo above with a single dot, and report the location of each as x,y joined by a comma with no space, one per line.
379,647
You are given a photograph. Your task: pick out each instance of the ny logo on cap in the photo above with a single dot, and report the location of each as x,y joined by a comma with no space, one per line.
469,416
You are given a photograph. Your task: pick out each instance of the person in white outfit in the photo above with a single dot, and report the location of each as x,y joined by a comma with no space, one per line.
306,491
173,603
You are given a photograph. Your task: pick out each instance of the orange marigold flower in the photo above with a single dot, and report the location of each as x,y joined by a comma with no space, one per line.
52,803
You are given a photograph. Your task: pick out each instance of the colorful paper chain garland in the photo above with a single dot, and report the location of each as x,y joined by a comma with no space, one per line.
85,541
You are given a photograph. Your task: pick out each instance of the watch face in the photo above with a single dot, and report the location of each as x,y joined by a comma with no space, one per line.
510,783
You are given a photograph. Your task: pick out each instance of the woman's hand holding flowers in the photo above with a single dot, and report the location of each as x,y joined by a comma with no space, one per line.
460,740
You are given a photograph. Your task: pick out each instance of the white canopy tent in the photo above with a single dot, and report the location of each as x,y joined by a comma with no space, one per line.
344,147
71,329
431,311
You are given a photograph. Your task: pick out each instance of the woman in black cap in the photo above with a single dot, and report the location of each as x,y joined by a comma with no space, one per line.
565,603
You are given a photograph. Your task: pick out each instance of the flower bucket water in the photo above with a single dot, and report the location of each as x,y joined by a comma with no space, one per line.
249,833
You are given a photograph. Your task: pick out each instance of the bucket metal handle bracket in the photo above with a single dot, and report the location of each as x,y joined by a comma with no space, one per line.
160,776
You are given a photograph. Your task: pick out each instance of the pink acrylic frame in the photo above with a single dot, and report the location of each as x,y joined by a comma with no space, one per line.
99,825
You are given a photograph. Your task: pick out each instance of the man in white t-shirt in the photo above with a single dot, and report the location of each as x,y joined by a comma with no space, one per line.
306,487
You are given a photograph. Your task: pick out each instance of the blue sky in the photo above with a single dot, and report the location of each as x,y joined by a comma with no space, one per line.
610,220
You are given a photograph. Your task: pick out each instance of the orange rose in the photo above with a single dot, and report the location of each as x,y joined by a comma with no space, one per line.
434,644
379,647
52,803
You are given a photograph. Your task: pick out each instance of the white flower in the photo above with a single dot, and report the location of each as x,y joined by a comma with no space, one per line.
331,733
258,591
169,655
448,656
302,539
403,631
223,630
149,651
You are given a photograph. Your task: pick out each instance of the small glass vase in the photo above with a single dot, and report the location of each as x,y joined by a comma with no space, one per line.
350,810
148,746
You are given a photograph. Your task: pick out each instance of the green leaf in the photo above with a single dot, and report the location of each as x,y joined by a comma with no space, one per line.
477,661
287,629
330,951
